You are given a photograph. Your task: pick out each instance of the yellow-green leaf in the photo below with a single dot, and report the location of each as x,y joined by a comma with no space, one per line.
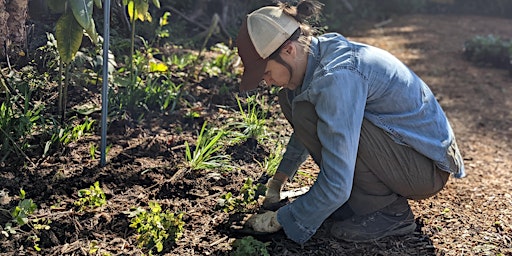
82,9
69,37
138,9
98,3
91,32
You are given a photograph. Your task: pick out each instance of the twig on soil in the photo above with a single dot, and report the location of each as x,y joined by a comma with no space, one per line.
219,241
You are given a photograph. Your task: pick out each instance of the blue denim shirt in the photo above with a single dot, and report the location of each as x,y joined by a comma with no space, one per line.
346,82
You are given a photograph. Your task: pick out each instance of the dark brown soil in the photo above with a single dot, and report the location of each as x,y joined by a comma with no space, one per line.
471,216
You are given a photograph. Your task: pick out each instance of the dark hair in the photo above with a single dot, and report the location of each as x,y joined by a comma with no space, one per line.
304,10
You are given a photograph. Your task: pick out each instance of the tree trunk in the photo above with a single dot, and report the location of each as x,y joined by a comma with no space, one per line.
13,15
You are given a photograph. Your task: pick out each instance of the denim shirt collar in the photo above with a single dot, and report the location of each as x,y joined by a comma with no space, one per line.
313,62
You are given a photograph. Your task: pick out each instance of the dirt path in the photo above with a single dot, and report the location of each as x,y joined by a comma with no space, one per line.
471,215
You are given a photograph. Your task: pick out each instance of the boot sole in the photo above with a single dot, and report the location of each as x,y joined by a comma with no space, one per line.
404,230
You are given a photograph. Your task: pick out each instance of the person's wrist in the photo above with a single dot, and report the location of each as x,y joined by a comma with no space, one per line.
280,177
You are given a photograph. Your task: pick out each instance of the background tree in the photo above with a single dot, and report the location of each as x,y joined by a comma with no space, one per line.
13,15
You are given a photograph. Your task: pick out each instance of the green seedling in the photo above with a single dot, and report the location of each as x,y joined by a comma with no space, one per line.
249,194
248,246
155,227
91,198
22,215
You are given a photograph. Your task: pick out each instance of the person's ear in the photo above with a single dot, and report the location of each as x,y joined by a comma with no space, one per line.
288,48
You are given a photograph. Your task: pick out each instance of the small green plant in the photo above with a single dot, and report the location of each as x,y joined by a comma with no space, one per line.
72,132
249,194
155,227
91,198
204,156
248,246
181,62
271,162
223,63
253,121
18,115
21,215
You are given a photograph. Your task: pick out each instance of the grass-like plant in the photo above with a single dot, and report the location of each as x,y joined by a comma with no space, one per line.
272,161
253,119
205,154
155,227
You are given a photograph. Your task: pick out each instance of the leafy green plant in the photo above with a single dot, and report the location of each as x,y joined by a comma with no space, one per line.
18,116
224,63
151,88
22,215
71,132
249,194
137,10
204,155
90,198
248,246
490,49
155,227
182,61
253,119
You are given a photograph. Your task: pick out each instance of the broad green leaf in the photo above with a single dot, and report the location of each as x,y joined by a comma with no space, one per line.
56,6
91,32
98,3
69,37
82,9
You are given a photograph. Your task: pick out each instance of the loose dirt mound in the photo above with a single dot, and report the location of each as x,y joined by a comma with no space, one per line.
471,216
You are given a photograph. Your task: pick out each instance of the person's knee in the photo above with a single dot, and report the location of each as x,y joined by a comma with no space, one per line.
440,182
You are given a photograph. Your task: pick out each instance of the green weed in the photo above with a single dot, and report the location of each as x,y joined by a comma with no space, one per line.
248,246
22,215
249,194
155,227
91,198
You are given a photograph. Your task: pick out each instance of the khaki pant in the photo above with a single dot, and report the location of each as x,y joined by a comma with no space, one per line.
384,169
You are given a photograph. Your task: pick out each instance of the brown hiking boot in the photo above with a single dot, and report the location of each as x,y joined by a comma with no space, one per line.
395,219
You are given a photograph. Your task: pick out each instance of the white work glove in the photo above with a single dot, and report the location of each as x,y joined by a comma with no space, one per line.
273,194
264,223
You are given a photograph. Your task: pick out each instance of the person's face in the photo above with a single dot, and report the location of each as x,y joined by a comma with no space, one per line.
280,75
277,74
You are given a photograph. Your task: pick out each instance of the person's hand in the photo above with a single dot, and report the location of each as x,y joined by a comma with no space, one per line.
265,222
273,194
